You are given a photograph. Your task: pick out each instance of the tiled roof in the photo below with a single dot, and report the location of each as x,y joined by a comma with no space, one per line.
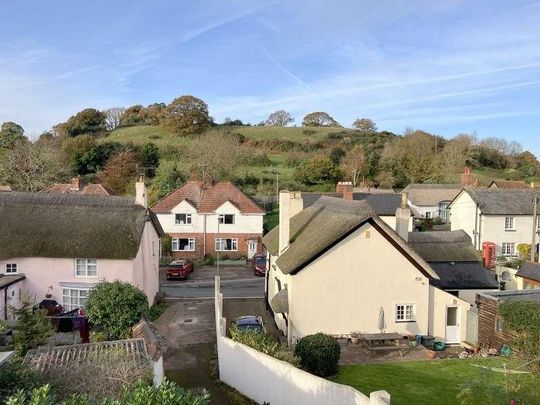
529,270
206,198
499,201
432,194
320,226
512,184
463,275
91,189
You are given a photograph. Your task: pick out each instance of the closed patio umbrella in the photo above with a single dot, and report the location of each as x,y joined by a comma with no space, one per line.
382,324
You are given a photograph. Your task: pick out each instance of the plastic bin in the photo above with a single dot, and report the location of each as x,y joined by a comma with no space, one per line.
428,341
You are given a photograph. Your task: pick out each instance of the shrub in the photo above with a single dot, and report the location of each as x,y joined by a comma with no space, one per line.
32,328
318,354
14,377
116,307
309,132
207,260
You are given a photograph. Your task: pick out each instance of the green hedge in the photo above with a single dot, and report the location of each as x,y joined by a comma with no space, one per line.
318,354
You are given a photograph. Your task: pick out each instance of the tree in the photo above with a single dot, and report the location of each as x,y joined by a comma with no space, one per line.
365,124
10,134
149,158
115,306
31,167
319,119
355,165
120,170
215,156
153,114
87,121
336,155
187,115
167,179
132,116
279,118
113,117
32,328
317,170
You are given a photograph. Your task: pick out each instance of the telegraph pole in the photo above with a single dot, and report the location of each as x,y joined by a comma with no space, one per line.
534,228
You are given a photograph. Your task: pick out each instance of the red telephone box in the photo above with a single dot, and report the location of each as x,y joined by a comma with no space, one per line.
488,254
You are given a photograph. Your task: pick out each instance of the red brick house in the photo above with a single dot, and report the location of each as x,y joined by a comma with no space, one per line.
203,219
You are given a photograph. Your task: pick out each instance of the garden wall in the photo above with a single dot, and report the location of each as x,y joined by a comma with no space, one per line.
265,379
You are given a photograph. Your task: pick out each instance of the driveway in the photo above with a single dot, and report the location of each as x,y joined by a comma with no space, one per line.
190,359
207,273
233,308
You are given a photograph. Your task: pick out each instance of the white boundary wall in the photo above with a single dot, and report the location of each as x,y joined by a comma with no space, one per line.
265,379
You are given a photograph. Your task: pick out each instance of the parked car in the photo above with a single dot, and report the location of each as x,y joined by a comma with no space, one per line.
258,264
250,322
179,269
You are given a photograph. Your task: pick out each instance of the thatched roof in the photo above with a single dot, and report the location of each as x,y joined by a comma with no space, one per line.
319,227
444,246
431,194
71,225
280,302
384,204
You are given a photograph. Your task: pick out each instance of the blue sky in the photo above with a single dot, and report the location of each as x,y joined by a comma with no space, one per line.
443,66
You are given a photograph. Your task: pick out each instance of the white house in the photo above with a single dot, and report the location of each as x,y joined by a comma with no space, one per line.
61,245
335,266
202,219
431,200
501,216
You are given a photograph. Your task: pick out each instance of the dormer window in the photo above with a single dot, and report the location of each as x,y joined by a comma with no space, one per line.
226,218
182,219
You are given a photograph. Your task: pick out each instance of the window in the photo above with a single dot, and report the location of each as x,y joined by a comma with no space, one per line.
509,224
499,325
226,218
223,245
508,249
428,214
86,267
73,298
182,219
11,268
185,244
404,312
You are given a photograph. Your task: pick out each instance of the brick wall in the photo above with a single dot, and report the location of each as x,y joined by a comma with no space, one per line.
488,336
211,245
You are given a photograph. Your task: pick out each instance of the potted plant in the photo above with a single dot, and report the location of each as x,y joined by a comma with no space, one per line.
355,337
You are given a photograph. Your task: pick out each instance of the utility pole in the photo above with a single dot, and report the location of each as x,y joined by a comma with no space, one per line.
219,246
534,228
277,185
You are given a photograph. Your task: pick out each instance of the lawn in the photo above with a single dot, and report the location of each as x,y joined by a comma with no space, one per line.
422,382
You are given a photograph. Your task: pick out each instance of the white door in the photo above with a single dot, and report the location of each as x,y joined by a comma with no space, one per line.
252,248
452,324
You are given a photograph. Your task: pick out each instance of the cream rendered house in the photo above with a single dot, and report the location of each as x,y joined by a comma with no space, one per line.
501,216
335,265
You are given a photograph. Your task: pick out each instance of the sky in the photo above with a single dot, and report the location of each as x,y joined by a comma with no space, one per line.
446,67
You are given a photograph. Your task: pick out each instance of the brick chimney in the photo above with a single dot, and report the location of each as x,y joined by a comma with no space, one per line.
290,204
76,184
468,179
141,194
403,217
345,188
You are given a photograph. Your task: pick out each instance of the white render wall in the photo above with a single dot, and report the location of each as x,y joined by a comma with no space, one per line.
422,209
439,301
244,223
462,216
265,379
391,221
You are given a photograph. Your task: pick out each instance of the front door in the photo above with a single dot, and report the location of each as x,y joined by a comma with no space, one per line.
252,248
452,324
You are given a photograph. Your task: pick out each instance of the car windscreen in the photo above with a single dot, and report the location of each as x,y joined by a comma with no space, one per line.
260,260
255,327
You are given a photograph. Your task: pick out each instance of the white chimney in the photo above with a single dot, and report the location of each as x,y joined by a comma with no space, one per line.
141,194
290,204
403,217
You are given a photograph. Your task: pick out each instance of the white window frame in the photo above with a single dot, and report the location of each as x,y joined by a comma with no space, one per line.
188,219
11,268
428,215
221,219
85,265
219,245
73,298
509,223
405,312
190,245
508,252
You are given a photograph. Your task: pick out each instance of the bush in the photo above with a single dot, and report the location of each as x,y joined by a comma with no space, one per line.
116,307
32,328
318,354
14,377
207,260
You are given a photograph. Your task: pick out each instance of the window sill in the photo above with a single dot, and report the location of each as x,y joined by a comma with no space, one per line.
411,321
510,230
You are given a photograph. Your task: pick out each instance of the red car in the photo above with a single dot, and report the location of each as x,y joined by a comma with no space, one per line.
258,264
179,269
